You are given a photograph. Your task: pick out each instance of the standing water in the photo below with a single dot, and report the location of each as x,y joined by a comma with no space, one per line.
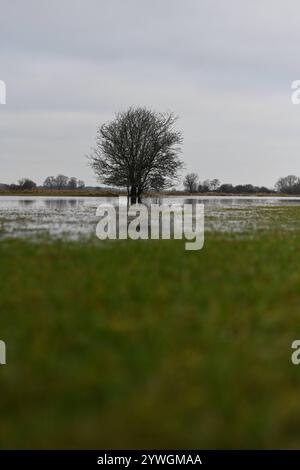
75,217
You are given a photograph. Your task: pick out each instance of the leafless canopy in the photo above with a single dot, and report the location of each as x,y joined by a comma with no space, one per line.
138,150
190,182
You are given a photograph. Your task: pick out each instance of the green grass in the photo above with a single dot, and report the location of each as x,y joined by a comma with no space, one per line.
145,345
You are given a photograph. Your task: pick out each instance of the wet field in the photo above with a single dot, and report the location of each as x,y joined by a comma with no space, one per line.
75,218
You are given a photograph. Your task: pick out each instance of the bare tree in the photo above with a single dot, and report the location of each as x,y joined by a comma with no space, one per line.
72,183
214,184
26,184
190,182
288,184
50,182
138,150
80,184
62,181
204,187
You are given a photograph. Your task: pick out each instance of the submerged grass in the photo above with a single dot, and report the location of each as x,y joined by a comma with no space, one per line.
142,344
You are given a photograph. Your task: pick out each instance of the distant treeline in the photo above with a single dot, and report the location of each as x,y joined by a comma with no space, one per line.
51,182
63,182
193,185
286,185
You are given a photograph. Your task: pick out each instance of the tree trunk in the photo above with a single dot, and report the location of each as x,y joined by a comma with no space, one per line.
139,195
133,195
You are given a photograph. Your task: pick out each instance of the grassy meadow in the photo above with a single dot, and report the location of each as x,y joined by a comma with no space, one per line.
141,344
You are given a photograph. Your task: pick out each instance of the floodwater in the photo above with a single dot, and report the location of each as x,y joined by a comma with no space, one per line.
75,217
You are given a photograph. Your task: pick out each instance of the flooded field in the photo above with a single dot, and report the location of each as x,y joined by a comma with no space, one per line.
75,218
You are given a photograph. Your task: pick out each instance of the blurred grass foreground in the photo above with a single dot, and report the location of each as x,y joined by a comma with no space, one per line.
145,345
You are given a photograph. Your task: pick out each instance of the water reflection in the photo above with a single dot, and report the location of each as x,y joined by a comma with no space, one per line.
62,204
26,203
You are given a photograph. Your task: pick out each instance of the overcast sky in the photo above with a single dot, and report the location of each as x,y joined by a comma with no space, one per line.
224,67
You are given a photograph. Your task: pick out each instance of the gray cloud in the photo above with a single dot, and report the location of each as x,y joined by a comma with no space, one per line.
224,67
